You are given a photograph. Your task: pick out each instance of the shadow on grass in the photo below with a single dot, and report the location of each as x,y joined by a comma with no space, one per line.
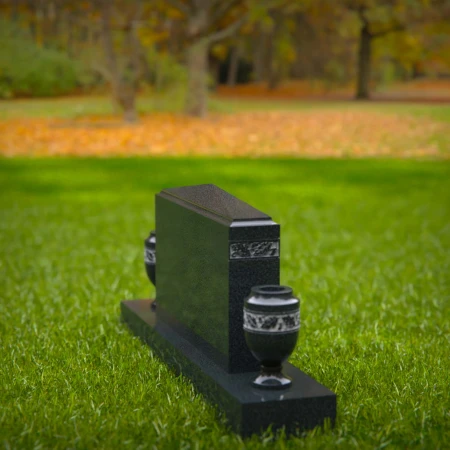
115,177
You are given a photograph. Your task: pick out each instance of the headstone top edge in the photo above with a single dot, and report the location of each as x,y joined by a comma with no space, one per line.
211,198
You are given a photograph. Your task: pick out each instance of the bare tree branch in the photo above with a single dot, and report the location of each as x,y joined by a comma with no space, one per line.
398,27
203,4
361,10
102,70
222,8
180,5
228,31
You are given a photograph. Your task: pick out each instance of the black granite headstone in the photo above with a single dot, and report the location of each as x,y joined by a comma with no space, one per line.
216,247
211,249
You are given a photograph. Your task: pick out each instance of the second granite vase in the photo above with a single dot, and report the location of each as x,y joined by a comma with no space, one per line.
271,327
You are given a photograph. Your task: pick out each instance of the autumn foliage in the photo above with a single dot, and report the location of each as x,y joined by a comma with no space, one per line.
313,134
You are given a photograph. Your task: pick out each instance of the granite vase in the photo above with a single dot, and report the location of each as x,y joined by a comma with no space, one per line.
271,327
150,257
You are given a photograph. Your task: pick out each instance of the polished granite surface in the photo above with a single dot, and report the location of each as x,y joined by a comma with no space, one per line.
217,201
206,265
303,406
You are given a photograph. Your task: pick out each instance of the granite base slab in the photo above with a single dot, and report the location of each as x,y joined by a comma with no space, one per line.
304,405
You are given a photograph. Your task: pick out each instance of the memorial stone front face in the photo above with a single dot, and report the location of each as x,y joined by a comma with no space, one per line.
211,253
216,248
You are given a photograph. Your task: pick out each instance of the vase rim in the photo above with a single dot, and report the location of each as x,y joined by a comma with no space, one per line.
271,290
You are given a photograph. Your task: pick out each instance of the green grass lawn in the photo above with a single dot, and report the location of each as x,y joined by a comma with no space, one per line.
366,244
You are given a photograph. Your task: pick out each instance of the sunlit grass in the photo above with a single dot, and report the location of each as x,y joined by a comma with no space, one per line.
365,243
75,107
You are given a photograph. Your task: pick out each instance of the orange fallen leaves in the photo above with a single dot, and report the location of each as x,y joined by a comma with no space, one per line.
298,134
430,90
287,90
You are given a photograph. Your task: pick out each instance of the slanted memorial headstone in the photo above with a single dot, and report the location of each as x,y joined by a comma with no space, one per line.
209,251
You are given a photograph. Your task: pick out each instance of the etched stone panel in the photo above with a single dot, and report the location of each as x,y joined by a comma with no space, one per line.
264,249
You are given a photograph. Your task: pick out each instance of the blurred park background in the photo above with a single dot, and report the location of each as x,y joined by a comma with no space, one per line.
268,77
332,116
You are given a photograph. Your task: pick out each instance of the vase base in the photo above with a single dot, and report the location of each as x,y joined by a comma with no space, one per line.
272,381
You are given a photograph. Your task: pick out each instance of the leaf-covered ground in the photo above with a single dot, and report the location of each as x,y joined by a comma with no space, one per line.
366,244
252,129
423,90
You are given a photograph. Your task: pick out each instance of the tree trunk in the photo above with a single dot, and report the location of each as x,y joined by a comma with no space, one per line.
197,64
69,35
273,64
273,69
14,11
130,75
259,52
233,66
200,20
127,101
364,63
214,72
31,6
123,81
143,62
417,70
274,80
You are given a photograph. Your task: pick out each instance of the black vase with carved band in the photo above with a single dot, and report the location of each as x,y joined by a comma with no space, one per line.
150,257
271,327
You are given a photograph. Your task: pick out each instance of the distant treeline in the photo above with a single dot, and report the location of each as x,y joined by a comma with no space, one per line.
55,47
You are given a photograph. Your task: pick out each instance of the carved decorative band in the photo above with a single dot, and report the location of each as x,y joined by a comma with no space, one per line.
149,256
271,322
260,249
